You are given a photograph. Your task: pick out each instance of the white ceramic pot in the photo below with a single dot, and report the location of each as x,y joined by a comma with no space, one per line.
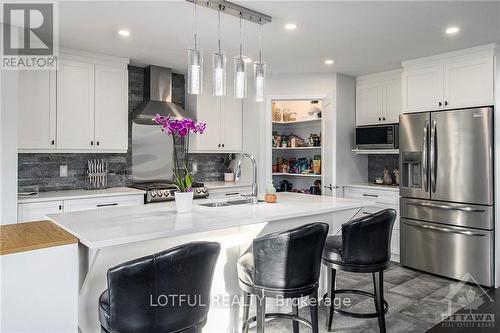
229,177
183,202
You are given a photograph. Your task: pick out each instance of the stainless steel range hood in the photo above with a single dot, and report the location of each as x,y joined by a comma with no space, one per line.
158,97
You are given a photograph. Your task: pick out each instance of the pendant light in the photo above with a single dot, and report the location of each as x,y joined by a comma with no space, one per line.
240,73
195,63
259,72
219,65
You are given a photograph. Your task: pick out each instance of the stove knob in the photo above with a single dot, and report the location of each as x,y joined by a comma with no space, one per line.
198,190
160,193
204,190
166,193
153,193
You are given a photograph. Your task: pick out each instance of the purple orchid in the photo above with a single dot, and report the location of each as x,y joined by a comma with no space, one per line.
180,129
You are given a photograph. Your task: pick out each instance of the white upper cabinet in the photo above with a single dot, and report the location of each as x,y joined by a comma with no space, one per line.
75,105
469,83
369,103
423,89
223,116
111,107
393,104
37,110
378,98
231,124
449,81
81,107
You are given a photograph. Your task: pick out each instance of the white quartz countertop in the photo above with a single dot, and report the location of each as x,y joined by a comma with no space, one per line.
120,225
373,186
222,185
78,194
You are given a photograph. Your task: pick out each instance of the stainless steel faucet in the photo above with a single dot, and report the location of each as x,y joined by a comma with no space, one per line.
253,195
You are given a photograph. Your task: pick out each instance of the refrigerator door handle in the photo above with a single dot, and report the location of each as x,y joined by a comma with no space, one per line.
432,205
425,158
448,230
433,156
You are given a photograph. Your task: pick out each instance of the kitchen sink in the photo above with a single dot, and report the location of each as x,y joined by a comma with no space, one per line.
229,203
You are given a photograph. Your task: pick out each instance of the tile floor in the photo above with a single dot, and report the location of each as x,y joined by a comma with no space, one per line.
417,301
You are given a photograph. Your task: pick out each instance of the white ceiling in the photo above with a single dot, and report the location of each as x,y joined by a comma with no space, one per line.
362,37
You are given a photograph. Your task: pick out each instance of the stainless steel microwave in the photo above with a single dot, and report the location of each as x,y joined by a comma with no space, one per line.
377,137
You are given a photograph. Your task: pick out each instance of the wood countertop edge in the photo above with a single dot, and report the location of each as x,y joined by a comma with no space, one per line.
29,236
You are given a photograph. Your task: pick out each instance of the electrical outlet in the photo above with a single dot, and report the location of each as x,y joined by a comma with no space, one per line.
63,171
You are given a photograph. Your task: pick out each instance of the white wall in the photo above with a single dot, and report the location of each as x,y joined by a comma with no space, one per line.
8,147
254,113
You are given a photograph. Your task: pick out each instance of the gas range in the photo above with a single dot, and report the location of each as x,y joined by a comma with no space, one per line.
157,191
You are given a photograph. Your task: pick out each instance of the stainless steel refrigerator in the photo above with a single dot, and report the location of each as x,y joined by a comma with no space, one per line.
447,216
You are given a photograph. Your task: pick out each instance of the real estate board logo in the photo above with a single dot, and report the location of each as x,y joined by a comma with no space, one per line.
29,35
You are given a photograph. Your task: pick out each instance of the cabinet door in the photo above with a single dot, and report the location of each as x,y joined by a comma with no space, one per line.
111,107
208,111
37,211
423,89
231,124
393,105
469,83
369,103
37,110
75,105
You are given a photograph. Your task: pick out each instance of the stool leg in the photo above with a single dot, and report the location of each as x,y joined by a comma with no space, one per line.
295,312
380,301
246,311
313,308
261,314
375,292
331,296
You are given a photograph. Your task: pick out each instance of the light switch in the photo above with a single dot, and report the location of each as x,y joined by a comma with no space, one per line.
63,171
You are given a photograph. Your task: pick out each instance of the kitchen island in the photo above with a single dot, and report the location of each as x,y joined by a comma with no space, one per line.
113,235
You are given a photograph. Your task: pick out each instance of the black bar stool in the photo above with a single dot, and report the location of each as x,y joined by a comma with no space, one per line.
284,264
144,295
363,247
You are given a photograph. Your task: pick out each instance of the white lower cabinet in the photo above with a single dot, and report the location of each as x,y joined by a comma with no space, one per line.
37,211
382,199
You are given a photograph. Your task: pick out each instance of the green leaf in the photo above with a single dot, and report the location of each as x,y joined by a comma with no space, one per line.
188,180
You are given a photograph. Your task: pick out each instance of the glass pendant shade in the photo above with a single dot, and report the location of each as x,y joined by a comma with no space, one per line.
259,74
219,74
240,78
195,72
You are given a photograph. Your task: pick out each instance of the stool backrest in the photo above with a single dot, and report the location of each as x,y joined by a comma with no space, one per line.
181,277
367,240
290,259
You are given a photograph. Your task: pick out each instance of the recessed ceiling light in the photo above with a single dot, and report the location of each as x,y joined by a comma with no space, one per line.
124,33
290,26
329,62
452,30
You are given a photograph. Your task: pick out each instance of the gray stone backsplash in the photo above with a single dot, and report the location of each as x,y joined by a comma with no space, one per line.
377,163
42,170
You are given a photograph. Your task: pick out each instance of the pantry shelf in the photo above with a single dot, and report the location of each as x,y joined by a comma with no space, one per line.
297,121
296,174
296,148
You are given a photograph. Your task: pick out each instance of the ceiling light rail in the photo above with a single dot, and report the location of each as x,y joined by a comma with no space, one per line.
233,9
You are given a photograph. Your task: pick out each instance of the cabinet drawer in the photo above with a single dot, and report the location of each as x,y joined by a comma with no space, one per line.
94,203
233,192
378,196
37,211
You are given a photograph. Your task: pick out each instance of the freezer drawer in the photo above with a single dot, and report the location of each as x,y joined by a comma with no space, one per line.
461,215
449,251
